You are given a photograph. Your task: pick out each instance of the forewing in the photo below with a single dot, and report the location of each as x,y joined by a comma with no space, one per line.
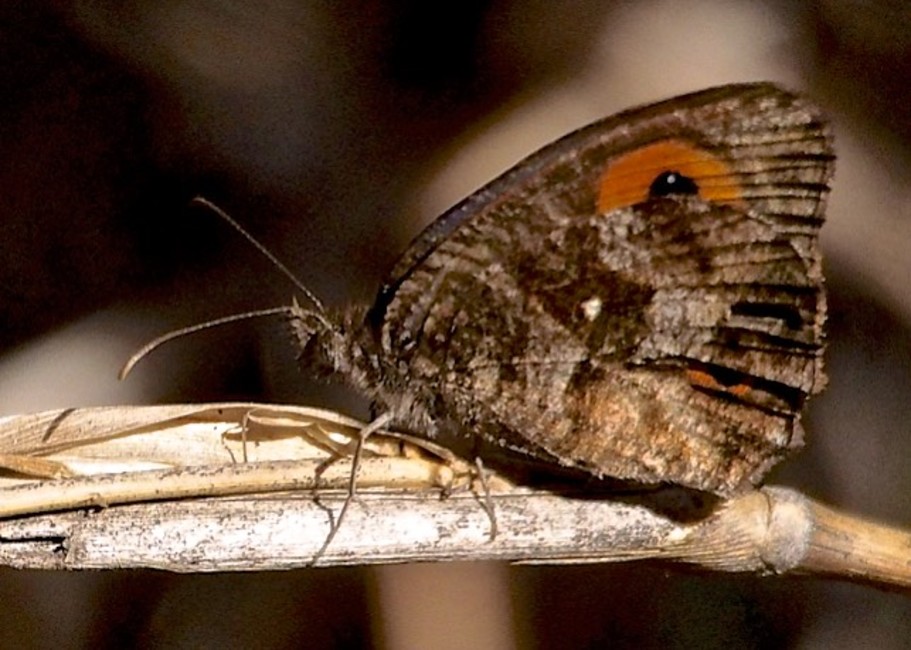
568,309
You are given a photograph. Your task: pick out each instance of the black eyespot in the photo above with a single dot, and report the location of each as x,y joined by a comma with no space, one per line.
671,183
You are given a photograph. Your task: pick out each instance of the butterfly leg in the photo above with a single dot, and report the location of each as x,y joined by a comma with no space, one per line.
362,436
488,501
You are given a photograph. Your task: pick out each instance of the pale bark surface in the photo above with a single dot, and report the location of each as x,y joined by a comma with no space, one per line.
167,487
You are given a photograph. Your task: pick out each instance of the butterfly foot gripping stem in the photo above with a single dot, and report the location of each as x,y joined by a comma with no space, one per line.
336,524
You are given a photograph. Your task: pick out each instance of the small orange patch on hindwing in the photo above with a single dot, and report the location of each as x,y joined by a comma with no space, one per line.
702,379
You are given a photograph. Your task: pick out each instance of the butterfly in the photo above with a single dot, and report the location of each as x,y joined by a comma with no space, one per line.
642,299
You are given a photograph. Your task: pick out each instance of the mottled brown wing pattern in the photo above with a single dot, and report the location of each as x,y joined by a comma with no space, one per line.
642,299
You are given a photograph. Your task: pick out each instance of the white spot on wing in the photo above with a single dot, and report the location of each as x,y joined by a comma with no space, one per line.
591,308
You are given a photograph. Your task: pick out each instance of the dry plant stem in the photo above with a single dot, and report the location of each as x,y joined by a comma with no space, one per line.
160,485
856,549
773,531
266,514
791,533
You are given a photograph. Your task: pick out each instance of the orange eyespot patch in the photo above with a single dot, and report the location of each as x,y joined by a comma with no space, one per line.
627,179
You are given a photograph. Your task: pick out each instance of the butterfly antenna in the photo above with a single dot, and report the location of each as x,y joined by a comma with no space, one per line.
192,329
319,311
262,249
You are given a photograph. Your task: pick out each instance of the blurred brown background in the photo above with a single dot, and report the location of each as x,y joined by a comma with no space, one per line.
334,132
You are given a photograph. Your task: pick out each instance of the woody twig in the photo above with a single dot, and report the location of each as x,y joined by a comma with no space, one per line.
215,513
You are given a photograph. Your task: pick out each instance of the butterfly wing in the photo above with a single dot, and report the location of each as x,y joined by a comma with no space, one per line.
642,298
